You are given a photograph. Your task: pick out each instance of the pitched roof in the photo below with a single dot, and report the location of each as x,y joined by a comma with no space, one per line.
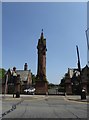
23,74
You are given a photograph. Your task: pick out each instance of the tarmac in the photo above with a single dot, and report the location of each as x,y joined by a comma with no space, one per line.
8,103
13,102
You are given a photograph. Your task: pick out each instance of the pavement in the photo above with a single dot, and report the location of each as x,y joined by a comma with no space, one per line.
77,98
68,97
10,97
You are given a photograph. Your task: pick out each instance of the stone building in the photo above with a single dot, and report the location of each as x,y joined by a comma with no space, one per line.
23,80
85,78
72,87
72,79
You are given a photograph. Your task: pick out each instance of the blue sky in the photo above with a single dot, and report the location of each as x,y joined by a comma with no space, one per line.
88,33
64,26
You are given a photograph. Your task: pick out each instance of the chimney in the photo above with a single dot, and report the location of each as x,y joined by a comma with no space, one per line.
25,66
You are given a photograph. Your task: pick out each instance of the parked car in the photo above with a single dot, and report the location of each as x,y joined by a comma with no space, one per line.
30,90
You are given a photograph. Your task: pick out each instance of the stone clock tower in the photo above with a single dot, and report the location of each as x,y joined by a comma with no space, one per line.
41,83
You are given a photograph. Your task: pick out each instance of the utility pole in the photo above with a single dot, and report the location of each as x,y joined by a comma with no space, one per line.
82,91
79,68
87,46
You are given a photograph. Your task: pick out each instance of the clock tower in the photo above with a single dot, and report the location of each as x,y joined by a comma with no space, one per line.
41,84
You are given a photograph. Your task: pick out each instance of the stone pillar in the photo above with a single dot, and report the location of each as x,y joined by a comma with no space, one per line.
68,85
17,88
41,87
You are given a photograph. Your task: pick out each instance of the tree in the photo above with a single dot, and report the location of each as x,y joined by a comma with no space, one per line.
2,73
62,84
33,78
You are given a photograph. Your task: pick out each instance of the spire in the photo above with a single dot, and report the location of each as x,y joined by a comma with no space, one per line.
42,36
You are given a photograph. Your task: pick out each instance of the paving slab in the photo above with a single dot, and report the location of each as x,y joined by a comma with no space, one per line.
77,98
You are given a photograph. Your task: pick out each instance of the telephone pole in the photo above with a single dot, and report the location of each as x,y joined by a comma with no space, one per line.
82,91
79,68
87,35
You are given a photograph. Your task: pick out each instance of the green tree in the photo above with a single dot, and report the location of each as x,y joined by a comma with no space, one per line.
33,78
2,73
62,83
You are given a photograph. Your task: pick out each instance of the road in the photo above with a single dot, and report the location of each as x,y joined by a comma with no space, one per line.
43,107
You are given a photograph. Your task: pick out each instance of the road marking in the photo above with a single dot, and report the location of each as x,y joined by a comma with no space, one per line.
12,109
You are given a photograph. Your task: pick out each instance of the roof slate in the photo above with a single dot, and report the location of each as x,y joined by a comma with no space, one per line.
23,74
